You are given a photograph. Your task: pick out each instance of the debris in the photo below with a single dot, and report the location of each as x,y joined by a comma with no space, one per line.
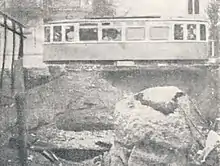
30,157
212,142
144,127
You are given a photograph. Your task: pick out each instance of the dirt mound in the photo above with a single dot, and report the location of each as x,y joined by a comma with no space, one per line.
71,100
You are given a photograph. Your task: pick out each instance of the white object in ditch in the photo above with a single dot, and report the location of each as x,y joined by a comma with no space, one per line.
212,141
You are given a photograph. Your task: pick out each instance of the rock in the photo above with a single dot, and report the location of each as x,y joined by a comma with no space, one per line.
160,99
161,119
140,157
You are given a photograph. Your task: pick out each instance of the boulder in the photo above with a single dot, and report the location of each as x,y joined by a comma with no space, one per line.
155,126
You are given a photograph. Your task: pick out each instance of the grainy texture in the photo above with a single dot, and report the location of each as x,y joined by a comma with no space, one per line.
166,137
168,44
70,99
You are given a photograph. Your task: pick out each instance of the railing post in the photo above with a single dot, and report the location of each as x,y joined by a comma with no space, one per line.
4,53
21,121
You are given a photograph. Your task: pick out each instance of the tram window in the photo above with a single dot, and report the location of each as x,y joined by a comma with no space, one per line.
196,6
57,35
109,34
159,33
178,32
69,33
47,34
190,6
88,34
191,28
135,33
202,32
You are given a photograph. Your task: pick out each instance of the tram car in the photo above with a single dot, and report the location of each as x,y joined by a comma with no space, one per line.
127,38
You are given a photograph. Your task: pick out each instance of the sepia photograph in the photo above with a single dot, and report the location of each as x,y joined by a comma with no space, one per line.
109,83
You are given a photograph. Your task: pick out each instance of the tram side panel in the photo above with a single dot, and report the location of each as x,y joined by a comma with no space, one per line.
126,51
154,39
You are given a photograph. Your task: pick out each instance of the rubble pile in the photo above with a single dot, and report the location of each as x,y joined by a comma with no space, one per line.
155,126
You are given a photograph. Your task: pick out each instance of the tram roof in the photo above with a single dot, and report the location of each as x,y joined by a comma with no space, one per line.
139,18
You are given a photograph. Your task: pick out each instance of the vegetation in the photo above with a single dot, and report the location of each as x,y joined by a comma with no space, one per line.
213,15
103,8
24,10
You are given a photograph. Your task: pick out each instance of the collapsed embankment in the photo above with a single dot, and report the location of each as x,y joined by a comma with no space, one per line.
84,100
62,106
74,101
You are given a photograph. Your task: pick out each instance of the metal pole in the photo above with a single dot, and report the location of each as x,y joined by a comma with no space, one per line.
21,46
12,63
4,53
21,121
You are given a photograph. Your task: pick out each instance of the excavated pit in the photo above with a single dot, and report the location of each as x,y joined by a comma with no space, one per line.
77,155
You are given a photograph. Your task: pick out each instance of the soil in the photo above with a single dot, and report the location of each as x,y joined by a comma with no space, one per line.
74,111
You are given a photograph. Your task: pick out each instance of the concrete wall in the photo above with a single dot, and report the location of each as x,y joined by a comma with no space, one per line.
33,46
9,47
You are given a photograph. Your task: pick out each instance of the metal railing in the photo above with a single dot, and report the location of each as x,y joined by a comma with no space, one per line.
16,74
11,24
